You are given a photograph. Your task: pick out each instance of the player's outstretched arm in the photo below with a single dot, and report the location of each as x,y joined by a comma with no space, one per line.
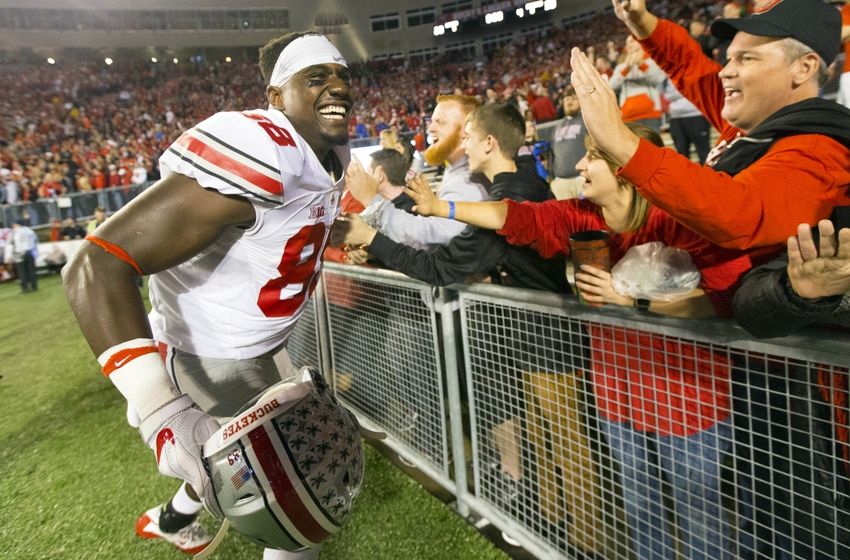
166,225
486,215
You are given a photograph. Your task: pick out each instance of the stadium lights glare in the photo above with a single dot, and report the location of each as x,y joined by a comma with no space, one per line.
227,59
439,30
452,25
549,5
154,59
520,12
51,60
175,60
494,17
108,61
531,7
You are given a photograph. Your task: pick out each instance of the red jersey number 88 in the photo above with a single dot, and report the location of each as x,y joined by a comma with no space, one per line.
293,271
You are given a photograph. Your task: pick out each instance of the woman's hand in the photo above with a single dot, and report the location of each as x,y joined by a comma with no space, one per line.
596,287
600,110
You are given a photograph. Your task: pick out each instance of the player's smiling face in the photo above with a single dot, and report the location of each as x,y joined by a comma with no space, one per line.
317,101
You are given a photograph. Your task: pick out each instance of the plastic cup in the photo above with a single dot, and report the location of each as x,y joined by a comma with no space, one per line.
590,247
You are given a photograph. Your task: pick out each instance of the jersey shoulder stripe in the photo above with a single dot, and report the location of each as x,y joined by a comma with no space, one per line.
231,154
203,175
253,175
234,149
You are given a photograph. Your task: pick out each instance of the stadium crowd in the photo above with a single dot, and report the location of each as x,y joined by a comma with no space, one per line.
86,126
91,127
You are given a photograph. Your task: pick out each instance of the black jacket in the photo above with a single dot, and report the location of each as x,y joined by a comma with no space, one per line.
478,251
766,305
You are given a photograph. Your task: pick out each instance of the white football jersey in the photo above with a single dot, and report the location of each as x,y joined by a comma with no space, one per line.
240,297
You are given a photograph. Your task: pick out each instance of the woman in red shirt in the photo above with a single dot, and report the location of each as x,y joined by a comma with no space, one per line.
664,403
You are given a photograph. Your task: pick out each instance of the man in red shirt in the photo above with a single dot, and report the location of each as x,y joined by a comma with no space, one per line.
542,107
784,154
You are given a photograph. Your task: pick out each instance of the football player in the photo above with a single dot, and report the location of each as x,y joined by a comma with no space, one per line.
231,238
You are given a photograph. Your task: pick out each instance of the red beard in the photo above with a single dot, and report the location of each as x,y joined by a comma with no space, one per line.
436,154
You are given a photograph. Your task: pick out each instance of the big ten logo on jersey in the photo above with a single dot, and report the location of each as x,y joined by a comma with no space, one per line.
319,211
234,457
278,134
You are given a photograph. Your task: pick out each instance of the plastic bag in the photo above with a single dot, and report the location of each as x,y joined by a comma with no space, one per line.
654,271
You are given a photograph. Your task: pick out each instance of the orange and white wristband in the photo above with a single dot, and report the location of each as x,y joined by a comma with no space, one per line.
137,371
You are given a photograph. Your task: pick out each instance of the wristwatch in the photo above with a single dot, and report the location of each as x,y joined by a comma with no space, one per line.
642,304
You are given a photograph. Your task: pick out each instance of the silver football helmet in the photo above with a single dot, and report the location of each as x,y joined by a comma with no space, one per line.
287,469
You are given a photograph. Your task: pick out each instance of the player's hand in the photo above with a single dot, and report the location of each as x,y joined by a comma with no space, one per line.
822,270
362,185
350,229
176,433
427,204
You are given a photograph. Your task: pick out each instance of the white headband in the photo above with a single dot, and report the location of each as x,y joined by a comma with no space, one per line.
305,51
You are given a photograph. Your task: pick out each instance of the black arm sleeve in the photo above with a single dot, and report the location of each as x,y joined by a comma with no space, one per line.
766,306
472,251
404,202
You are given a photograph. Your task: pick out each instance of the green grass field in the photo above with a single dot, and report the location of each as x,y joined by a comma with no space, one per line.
75,477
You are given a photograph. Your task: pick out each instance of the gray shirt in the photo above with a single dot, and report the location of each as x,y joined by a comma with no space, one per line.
568,146
679,106
458,184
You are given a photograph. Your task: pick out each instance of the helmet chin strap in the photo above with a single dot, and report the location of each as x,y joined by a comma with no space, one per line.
219,537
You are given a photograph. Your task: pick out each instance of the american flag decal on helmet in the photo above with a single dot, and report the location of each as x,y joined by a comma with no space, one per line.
242,476
291,482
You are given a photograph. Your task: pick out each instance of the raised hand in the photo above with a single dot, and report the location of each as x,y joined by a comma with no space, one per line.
427,204
627,9
362,185
822,270
601,110
636,17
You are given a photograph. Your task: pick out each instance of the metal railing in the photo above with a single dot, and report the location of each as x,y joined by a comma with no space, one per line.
80,206
515,402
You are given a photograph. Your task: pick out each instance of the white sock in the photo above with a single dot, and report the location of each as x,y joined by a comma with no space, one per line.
183,503
309,554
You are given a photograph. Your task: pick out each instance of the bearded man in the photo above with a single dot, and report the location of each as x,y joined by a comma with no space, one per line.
388,208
